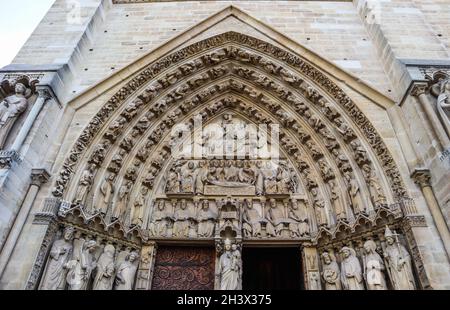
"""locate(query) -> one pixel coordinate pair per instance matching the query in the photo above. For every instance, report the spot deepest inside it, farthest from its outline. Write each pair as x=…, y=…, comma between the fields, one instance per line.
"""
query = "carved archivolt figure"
x=252, y=221
x=298, y=224
x=87, y=177
x=54, y=277
x=126, y=272
x=443, y=105
x=373, y=267
x=229, y=270
x=336, y=201
x=122, y=200
x=105, y=269
x=81, y=266
x=398, y=262
x=11, y=108
x=331, y=274
x=351, y=273
x=138, y=210
x=104, y=194
x=182, y=219
x=355, y=194
x=206, y=220
x=160, y=220
x=376, y=193
x=319, y=208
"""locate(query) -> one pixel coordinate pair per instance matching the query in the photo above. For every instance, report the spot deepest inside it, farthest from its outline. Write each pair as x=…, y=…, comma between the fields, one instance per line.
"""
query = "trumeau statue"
x=160, y=220
x=11, y=108
x=54, y=277
x=104, y=194
x=81, y=266
x=443, y=105
x=331, y=274
x=126, y=272
x=230, y=265
x=398, y=263
x=351, y=273
x=373, y=267
x=105, y=269
x=206, y=220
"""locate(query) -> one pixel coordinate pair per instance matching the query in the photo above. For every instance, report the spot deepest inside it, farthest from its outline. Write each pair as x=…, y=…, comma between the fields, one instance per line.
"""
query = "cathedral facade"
x=155, y=145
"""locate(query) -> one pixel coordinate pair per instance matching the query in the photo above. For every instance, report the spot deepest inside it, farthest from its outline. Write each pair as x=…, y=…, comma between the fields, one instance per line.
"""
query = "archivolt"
x=282, y=78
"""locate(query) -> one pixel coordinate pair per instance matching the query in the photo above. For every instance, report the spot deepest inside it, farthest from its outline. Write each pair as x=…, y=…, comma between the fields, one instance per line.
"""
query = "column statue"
x=126, y=273
x=331, y=274
x=373, y=267
x=351, y=273
x=105, y=269
x=81, y=267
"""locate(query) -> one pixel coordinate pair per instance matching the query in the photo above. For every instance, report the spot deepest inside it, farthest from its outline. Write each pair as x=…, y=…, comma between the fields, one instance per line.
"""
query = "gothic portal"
x=230, y=157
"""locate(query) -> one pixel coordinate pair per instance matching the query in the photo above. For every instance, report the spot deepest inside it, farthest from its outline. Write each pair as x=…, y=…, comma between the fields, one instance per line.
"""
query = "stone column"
x=310, y=257
x=44, y=95
x=146, y=267
x=38, y=177
x=420, y=91
x=422, y=178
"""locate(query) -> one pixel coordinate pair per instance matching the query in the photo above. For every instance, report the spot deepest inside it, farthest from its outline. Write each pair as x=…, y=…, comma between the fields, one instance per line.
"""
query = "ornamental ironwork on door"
x=184, y=268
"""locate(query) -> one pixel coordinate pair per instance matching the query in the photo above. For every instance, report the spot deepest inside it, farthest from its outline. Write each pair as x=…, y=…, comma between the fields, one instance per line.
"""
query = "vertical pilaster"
x=146, y=267
x=310, y=257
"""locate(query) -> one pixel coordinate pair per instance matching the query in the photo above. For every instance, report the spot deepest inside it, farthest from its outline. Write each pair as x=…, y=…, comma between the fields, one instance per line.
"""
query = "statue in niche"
x=81, y=267
x=104, y=194
x=187, y=178
x=138, y=209
x=398, y=263
x=54, y=277
x=336, y=201
x=373, y=267
x=173, y=183
x=298, y=225
x=252, y=220
x=201, y=178
x=443, y=105
x=160, y=220
x=230, y=266
x=376, y=193
x=206, y=220
x=122, y=201
x=11, y=108
x=355, y=194
x=275, y=219
x=319, y=208
x=331, y=274
x=87, y=177
x=182, y=219
x=126, y=273
x=104, y=276
x=351, y=273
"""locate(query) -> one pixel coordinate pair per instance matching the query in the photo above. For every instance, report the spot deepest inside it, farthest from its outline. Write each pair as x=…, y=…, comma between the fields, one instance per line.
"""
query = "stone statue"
x=105, y=269
x=126, y=273
x=373, y=267
x=138, y=209
x=298, y=226
x=275, y=219
x=331, y=274
x=259, y=178
x=11, y=108
x=122, y=200
x=81, y=267
x=187, y=178
x=104, y=194
x=398, y=262
x=87, y=177
x=252, y=221
x=173, y=183
x=376, y=193
x=206, y=220
x=319, y=208
x=160, y=220
x=443, y=105
x=182, y=219
x=54, y=277
x=355, y=194
x=336, y=201
x=201, y=178
x=229, y=270
x=351, y=273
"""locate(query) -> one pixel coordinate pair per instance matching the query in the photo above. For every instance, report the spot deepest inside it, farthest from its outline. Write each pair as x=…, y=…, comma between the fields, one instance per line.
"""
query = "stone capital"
x=39, y=177
x=419, y=89
x=44, y=93
x=7, y=158
x=421, y=177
